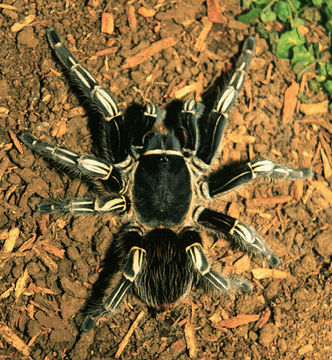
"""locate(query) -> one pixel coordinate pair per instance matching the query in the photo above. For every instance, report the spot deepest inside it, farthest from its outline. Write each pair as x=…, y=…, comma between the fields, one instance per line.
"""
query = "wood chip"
x=60, y=129
x=18, y=26
x=107, y=23
x=290, y=102
x=189, y=333
x=179, y=94
x=317, y=108
x=8, y=7
x=145, y=12
x=125, y=340
x=241, y=265
x=268, y=202
x=46, y=259
x=214, y=11
x=201, y=40
x=236, y=321
x=326, y=164
x=16, y=142
x=21, y=284
x=323, y=190
x=10, y=241
x=264, y=273
x=11, y=338
x=132, y=21
x=147, y=53
x=263, y=318
x=305, y=349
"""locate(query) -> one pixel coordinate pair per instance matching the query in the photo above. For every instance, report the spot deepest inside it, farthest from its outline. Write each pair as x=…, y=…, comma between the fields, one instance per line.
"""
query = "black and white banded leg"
x=225, y=100
x=244, y=236
x=225, y=181
x=114, y=133
x=190, y=114
x=84, y=206
x=143, y=125
x=131, y=269
x=220, y=282
x=85, y=166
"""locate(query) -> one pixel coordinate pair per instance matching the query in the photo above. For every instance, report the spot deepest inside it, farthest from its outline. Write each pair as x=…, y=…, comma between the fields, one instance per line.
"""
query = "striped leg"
x=225, y=100
x=225, y=181
x=240, y=232
x=190, y=114
x=220, y=282
x=144, y=124
x=115, y=136
x=131, y=269
x=110, y=204
x=80, y=165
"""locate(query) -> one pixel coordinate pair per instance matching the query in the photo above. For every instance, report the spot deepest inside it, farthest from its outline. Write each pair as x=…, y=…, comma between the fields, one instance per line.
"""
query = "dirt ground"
x=50, y=265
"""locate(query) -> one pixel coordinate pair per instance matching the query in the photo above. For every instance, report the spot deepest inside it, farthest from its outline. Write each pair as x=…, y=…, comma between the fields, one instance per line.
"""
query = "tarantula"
x=157, y=183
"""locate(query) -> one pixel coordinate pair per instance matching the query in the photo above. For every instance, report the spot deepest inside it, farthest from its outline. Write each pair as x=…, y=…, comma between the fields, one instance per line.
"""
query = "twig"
x=125, y=340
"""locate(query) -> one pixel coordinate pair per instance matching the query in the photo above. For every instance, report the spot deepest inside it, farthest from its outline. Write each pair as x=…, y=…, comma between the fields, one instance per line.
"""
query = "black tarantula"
x=158, y=183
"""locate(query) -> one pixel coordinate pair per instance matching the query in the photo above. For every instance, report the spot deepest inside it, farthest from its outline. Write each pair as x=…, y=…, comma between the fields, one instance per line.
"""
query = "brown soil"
x=47, y=278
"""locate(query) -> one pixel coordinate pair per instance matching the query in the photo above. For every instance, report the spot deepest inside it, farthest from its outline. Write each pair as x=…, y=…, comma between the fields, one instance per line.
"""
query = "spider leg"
x=225, y=181
x=114, y=134
x=84, y=206
x=225, y=100
x=246, y=237
x=191, y=112
x=144, y=124
x=131, y=269
x=220, y=282
x=81, y=165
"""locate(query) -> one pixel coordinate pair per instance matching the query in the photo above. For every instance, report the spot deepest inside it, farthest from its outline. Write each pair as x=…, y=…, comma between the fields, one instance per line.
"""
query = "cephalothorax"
x=158, y=183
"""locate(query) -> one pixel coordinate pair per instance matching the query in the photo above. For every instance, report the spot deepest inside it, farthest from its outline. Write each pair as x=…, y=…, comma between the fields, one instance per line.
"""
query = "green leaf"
x=301, y=54
x=287, y=41
x=317, y=2
x=250, y=17
x=328, y=86
x=295, y=4
x=313, y=86
x=268, y=15
x=246, y=3
x=283, y=11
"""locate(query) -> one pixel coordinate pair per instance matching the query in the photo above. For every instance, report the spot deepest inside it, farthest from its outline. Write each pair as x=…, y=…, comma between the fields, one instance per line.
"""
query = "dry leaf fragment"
x=17, y=144
x=10, y=242
x=290, y=102
x=107, y=23
x=11, y=338
x=236, y=321
x=263, y=273
x=18, y=26
x=145, y=12
x=21, y=283
x=190, y=339
x=149, y=52
x=317, y=108
x=214, y=11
